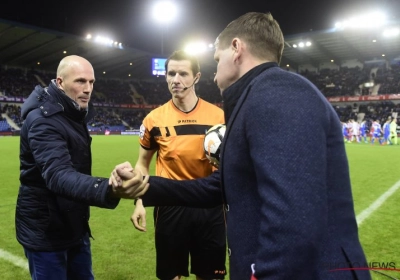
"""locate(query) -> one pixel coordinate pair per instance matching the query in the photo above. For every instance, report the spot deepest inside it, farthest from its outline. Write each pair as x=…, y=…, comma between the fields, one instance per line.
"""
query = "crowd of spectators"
x=116, y=120
x=16, y=82
x=341, y=82
x=4, y=126
x=356, y=81
x=389, y=79
x=14, y=112
x=370, y=111
x=104, y=119
x=154, y=92
x=332, y=82
x=112, y=91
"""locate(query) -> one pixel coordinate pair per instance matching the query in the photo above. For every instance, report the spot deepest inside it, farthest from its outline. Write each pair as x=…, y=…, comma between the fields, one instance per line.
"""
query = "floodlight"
x=370, y=20
x=195, y=48
x=102, y=40
x=164, y=11
x=391, y=32
x=338, y=25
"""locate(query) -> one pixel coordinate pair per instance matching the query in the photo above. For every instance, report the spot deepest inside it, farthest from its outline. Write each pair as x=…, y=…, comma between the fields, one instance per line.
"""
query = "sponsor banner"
x=153, y=106
x=381, y=97
x=6, y=133
x=12, y=99
x=131, y=132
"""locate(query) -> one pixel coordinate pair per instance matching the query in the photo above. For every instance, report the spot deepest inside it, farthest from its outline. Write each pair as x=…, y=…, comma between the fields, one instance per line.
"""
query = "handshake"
x=127, y=182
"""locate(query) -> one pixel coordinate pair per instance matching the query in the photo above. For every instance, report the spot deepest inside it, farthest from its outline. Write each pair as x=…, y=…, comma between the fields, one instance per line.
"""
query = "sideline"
x=376, y=204
x=17, y=261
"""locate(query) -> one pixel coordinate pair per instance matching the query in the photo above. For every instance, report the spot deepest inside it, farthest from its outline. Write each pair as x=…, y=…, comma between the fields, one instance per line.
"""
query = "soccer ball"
x=212, y=143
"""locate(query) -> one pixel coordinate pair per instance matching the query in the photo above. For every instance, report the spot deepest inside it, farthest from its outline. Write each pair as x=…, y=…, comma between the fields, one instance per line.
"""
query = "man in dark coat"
x=52, y=213
x=287, y=191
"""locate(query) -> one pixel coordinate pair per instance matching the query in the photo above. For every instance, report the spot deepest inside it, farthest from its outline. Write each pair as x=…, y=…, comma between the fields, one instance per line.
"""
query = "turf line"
x=377, y=203
x=15, y=260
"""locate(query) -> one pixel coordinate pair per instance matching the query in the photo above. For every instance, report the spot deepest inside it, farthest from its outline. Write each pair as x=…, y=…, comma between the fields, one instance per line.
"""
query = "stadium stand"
x=111, y=92
x=4, y=126
x=358, y=84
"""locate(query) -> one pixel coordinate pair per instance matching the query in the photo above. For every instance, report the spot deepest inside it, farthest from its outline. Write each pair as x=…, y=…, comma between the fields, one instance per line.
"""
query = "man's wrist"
x=136, y=200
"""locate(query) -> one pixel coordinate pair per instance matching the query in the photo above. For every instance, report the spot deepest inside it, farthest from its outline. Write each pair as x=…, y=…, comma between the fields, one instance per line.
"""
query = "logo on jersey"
x=141, y=131
x=187, y=121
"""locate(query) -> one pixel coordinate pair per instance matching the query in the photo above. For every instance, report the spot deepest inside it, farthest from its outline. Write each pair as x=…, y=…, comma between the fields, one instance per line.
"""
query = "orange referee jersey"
x=178, y=138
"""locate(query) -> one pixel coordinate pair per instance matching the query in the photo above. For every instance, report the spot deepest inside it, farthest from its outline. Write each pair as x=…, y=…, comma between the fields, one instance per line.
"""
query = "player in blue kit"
x=386, y=132
x=363, y=131
x=377, y=132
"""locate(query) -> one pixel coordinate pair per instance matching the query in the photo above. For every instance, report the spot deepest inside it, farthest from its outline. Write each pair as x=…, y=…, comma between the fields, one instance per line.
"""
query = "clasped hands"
x=127, y=182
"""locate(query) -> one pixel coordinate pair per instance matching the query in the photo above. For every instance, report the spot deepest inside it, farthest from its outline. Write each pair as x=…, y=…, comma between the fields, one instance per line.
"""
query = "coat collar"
x=233, y=98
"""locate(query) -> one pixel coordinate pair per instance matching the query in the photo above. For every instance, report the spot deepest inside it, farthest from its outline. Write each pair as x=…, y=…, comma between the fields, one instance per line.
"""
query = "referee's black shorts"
x=200, y=233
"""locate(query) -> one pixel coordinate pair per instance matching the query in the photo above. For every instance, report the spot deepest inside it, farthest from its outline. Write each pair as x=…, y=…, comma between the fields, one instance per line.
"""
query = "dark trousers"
x=74, y=263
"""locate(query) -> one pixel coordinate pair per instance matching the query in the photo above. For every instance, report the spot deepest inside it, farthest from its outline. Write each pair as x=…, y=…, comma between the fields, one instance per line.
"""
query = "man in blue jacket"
x=288, y=197
x=52, y=213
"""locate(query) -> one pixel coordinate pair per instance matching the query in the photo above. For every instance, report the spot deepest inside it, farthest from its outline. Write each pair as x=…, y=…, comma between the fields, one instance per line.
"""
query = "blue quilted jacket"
x=56, y=189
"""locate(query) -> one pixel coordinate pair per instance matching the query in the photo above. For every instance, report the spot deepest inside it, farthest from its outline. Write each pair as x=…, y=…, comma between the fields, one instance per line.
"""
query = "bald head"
x=70, y=62
x=75, y=76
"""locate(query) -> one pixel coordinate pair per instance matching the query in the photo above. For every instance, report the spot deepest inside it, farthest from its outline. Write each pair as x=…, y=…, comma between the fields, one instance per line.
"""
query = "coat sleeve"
x=50, y=151
x=201, y=193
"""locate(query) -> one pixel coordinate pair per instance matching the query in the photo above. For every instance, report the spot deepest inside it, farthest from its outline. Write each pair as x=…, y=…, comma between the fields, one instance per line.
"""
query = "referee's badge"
x=141, y=131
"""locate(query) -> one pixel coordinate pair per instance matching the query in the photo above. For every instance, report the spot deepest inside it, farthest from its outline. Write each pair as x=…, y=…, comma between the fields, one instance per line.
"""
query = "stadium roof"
x=24, y=46
x=339, y=46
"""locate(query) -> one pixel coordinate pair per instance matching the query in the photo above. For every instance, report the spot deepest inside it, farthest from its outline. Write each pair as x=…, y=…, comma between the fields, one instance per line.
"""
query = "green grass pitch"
x=120, y=252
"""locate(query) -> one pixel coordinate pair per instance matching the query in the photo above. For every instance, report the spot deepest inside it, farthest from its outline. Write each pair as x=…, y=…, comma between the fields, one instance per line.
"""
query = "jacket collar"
x=52, y=100
x=232, y=94
x=71, y=109
x=233, y=98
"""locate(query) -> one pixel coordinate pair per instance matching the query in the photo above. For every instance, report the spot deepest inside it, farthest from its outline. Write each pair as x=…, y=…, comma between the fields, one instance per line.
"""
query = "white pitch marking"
x=15, y=260
x=376, y=204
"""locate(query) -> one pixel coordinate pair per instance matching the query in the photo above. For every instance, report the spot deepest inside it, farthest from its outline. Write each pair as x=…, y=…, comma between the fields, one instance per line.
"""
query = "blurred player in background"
x=363, y=131
x=355, y=131
x=376, y=132
x=345, y=132
x=393, y=131
x=386, y=132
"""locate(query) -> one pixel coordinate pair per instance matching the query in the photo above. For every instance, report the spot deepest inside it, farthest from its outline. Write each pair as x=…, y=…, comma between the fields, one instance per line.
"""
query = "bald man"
x=56, y=190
